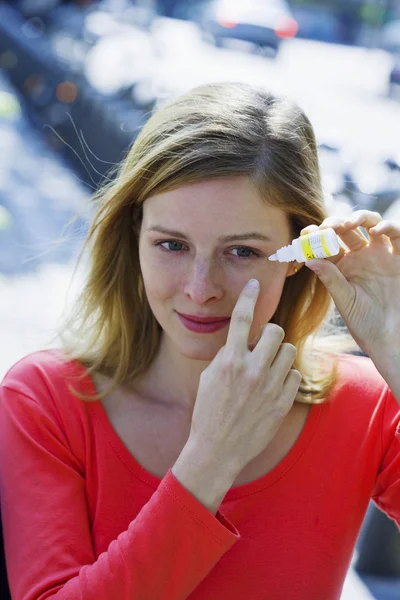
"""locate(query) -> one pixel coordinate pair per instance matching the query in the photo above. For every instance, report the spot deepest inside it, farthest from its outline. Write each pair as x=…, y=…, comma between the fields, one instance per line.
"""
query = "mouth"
x=203, y=324
x=200, y=319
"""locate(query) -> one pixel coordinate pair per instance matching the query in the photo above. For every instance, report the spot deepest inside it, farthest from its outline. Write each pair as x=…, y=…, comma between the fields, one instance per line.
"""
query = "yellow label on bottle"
x=323, y=242
x=314, y=245
x=306, y=247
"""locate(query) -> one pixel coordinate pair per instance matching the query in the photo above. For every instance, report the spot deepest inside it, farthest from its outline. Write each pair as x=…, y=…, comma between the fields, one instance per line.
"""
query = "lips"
x=197, y=319
x=205, y=325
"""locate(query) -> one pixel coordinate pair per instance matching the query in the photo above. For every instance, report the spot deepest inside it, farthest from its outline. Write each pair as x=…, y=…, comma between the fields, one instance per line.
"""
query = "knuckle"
x=308, y=229
x=252, y=378
x=332, y=222
x=243, y=316
x=276, y=330
x=281, y=409
x=231, y=364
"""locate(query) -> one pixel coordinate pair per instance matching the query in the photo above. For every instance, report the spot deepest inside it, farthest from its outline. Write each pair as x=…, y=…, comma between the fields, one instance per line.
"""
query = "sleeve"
x=165, y=553
x=386, y=493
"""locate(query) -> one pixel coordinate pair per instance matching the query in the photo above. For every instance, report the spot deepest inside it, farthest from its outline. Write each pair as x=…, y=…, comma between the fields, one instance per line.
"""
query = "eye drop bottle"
x=318, y=244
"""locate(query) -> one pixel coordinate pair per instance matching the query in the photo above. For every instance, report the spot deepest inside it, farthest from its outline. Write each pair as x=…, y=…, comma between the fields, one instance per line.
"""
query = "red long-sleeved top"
x=84, y=521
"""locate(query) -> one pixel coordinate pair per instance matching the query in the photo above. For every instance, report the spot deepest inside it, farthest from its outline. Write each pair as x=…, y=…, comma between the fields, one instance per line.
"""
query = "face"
x=198, y=247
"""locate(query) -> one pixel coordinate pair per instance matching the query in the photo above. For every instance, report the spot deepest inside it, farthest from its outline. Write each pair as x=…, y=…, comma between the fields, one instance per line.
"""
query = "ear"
x=293, y=268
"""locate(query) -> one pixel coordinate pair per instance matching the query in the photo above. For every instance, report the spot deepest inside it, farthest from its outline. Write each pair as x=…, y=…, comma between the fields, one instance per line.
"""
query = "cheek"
x=160, y=282
x=268, y=301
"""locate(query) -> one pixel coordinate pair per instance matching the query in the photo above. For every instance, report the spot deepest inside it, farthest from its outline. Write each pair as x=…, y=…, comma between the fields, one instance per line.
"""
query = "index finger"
x=242, y=317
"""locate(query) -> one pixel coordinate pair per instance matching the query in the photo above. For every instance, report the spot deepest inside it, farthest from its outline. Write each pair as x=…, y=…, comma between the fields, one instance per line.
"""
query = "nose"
x=203, y=283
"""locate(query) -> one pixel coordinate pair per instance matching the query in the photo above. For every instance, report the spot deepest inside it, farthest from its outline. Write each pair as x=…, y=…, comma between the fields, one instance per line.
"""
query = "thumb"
x=335, y=282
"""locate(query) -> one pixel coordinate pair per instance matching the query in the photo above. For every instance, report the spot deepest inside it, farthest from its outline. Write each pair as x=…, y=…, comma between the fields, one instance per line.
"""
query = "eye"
x=174, y=246
x=245, y=252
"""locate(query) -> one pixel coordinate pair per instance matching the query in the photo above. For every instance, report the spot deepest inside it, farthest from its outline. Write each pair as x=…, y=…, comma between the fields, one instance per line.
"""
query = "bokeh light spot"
x=37, y=89
x=66, y=92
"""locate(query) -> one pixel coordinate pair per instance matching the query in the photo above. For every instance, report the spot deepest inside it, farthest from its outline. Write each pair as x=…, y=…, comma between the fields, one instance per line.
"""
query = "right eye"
x=174, y=246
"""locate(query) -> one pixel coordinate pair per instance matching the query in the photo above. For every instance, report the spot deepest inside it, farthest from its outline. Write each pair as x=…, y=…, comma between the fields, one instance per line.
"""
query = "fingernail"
x=253, y=284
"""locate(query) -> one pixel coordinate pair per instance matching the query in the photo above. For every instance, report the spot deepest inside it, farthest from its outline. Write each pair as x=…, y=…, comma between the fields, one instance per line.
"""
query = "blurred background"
x=78, y=79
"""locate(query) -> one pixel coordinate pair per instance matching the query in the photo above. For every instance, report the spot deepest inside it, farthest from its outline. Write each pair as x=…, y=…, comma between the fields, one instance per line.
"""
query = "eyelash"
x=254, y=253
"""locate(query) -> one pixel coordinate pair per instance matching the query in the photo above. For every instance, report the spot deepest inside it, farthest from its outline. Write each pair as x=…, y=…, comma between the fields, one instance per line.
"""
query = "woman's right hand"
x=244, y=395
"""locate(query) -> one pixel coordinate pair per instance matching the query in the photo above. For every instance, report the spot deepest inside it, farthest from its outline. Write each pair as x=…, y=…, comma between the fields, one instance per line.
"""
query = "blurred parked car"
x=264, y=24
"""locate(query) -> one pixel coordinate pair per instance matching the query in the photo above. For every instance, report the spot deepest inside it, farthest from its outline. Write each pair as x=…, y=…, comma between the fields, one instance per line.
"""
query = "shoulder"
x=359, y=382
x=45, y=377
x=36, y=400
x=358, y=372
x=38, y=367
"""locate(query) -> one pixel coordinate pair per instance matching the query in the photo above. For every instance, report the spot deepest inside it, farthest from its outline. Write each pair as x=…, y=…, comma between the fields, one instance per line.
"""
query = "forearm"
x=203, y=476
x=168, y=546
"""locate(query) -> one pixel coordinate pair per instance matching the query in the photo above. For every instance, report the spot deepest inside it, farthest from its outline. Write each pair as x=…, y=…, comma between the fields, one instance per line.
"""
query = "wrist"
x=204, y=476
x=198, y=453
x=389, y=368
x=209, y=460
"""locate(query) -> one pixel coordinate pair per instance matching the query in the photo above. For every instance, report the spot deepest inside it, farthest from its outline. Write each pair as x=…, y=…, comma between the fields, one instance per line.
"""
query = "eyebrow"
x=254, y=235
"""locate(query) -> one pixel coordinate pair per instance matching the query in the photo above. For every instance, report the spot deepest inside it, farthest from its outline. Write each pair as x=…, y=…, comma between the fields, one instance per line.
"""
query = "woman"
x=197, y=437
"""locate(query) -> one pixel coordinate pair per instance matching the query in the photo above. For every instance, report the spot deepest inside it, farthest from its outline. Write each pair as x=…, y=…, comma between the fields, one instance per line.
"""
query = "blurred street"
x=343, y=89
x=39, y=194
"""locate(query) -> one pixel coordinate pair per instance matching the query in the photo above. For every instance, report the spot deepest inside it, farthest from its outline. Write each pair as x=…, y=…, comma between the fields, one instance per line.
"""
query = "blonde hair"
x=212, y=131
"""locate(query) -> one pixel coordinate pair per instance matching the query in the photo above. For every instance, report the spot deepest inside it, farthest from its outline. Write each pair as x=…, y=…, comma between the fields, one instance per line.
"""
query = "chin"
x=199, y=350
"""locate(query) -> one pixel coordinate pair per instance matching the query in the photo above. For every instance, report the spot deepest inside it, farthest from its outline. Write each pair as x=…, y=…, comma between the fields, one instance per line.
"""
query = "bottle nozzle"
x=273, y=257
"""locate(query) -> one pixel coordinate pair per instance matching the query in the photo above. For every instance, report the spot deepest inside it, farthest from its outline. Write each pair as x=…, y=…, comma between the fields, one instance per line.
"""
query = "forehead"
x=222, y=205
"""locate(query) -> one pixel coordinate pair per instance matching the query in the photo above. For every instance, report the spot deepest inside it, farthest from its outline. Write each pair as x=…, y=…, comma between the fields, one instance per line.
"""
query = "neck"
x=172, y=378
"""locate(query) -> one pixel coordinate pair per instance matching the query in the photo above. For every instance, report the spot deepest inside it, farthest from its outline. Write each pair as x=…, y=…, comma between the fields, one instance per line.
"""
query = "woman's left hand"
x=364, y=281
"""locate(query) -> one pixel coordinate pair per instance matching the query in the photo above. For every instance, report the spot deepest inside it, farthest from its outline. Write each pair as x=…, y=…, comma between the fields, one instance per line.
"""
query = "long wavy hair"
x=212, y=131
